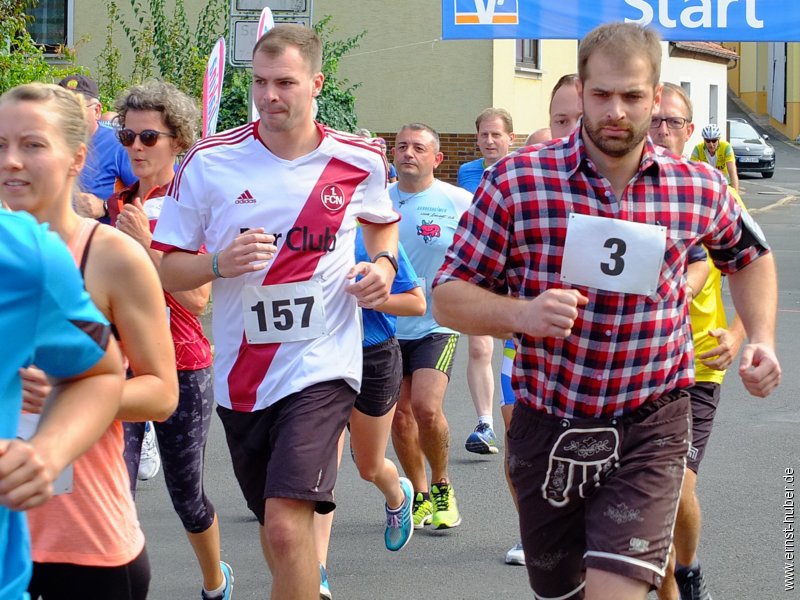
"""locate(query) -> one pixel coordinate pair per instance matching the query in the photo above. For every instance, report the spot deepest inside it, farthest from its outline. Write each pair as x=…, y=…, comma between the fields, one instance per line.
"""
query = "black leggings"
x=182, y=443
x=64, y=581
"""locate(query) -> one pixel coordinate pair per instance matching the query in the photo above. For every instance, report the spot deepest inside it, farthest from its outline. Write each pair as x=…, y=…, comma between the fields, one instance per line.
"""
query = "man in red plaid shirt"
x=578, y=249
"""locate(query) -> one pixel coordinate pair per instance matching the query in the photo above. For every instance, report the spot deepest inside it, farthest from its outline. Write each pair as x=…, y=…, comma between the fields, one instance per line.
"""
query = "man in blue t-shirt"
x=495, y=135
x=47, y=318
x=106, y=161
x=430, y=211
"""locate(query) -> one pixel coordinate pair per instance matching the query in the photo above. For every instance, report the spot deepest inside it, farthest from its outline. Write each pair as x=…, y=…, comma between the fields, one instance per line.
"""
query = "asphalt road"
x=741, y=484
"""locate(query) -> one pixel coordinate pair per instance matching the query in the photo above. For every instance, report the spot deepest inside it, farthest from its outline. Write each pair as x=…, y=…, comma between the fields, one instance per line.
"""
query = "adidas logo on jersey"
x=245, y=198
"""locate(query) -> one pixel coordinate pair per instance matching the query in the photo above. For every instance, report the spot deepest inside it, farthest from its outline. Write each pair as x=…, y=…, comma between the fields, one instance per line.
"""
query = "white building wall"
x=700, y=75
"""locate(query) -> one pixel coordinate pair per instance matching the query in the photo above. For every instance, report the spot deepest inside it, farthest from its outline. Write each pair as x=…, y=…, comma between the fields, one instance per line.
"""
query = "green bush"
x=337, y=102
x=163, y=46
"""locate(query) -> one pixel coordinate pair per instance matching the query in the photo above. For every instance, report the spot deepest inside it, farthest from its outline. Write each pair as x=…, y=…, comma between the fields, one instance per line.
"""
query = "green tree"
x=163, y=44
x=235, y=105
x=337, y=102
x=21, y=59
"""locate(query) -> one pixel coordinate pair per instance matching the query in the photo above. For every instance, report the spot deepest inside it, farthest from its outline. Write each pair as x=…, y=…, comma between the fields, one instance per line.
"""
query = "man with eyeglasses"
x=715, y=345
x=106, y=160
x=718, y=153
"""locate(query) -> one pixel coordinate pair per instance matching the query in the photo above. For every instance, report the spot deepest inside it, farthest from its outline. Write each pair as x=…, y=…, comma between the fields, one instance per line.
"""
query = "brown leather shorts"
x=598, y=494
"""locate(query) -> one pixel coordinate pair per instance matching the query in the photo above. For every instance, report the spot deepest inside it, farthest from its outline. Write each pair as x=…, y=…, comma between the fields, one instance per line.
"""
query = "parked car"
x=753, y=153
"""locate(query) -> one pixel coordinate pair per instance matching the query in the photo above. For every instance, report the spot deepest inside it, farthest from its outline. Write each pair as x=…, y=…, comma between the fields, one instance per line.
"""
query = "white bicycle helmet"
x=710, y=132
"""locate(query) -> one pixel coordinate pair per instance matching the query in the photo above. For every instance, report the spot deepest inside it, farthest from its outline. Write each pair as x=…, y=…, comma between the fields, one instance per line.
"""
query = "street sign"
x=244, y=24
x=277, y=6
x=244, y=35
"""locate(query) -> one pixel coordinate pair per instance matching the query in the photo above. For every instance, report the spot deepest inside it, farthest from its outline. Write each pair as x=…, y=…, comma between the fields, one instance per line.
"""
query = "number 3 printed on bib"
x=613, y=255
x=287, y=312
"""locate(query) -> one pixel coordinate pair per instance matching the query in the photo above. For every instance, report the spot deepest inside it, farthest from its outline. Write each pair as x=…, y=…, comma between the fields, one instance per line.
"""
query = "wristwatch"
x=388, y=256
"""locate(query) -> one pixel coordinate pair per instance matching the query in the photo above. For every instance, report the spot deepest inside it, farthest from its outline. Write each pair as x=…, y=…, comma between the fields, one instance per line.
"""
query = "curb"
x=761, y=122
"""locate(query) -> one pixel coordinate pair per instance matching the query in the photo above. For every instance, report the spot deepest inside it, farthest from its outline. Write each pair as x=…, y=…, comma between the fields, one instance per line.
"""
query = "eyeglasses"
x=711, y=141
x=672, y=122
x=149, y=137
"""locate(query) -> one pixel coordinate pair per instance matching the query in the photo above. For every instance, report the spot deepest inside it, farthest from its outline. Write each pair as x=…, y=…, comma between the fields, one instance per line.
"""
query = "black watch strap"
x=388, y=256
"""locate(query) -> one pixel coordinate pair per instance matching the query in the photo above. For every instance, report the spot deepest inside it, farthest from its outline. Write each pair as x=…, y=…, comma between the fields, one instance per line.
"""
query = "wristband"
x=388, y=256
x=215, y=265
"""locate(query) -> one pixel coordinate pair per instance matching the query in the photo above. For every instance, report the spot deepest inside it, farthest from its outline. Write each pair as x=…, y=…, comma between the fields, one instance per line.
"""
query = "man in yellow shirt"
x=716, y=345
x=718, y=153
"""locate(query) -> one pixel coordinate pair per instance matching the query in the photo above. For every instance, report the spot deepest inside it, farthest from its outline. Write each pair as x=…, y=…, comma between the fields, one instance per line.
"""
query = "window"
x=528, y=54
x=51, y=24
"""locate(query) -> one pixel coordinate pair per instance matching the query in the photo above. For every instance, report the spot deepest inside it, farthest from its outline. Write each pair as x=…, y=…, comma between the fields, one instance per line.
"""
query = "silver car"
x=753, y=153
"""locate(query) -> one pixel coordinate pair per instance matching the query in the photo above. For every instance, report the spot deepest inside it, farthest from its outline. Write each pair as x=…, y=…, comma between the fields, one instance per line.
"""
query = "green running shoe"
x=445, y=508
x=423, y=511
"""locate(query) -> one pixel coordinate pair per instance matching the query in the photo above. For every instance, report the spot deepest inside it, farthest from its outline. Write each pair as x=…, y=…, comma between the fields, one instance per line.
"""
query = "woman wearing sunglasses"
x=87, y=543
x=157, y=123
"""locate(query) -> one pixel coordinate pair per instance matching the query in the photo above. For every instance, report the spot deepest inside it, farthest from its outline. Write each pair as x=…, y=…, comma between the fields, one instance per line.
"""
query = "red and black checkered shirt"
x=625, y=349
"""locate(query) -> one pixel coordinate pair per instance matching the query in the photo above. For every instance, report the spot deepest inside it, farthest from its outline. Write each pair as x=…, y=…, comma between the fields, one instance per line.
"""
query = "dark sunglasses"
x=149, y=137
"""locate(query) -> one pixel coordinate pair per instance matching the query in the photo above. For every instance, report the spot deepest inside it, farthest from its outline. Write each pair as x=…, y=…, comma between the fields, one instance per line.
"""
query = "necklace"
x=405, y=199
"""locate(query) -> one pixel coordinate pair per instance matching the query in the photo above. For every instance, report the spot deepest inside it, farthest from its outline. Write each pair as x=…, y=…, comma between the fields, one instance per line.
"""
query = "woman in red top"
x=157, y=124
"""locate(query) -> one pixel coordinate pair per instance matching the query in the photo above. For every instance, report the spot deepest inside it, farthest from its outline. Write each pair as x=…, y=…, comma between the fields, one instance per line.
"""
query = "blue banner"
x=675, y=20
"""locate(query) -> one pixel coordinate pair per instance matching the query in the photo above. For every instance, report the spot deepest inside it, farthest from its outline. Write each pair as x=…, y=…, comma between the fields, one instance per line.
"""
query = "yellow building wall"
x=750, y=77
x=791, y=128
x=753, y=75
x=762, y=77
x=407, y=72
x=735, y=74
x=527, y=95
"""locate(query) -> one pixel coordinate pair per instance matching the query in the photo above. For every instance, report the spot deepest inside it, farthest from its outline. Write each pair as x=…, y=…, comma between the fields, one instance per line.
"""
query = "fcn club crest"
x=332, y=197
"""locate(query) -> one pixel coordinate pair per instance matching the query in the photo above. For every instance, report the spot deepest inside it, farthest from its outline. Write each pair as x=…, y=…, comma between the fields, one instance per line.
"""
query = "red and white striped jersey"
x=279, y=330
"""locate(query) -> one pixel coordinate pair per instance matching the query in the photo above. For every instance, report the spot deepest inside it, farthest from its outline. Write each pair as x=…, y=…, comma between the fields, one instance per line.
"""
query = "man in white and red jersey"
x=276, y=203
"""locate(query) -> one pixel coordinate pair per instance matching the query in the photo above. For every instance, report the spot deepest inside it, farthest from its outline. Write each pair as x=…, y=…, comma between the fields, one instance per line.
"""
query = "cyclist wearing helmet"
x=718, y=153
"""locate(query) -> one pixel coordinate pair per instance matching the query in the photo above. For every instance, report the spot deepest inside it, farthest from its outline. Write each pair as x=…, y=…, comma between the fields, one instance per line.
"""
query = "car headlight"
x=769, y=151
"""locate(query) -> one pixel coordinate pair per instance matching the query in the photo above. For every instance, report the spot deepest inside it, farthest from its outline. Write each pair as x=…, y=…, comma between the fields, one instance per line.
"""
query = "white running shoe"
x=516, y=556
x=150, y=460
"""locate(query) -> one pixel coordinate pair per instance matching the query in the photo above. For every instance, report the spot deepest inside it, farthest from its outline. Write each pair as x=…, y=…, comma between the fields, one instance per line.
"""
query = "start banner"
x=675, y=20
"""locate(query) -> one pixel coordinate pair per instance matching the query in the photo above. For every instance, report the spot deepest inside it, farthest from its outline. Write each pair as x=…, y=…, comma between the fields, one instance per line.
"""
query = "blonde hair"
x=676, y=90
x=68, y=107
x=495, y=113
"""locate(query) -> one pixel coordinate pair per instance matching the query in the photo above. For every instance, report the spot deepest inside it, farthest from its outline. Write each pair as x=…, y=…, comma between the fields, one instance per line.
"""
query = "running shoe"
x=150, y=459
x=400, y=522
x=324, y=588
x=445, y=508
x=516, y=556
x=482, y=440
x=691, y=584
x=423, y=511
x=227, y=592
